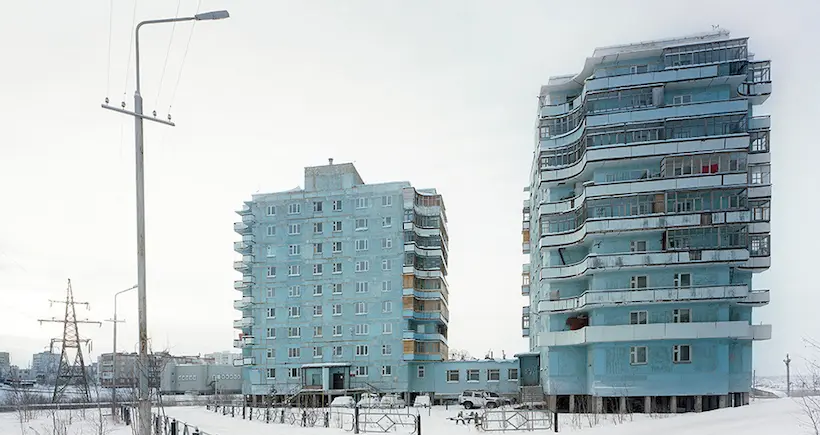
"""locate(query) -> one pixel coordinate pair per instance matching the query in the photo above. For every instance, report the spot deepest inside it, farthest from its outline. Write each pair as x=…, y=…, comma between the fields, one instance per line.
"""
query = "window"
x=637, y=355
x=360, y=371
x=317, y=311
x=638, y=69
x=294, y=249
x=337, y=205
x=387, y=286
x=387, y=306
x=638, y=318
x=387, y=221
x=294, y=208
x=452, y=375
x=317, y=351
x=472, y=375
x=420, y=372
x=361, y=329
x=271, y=333
x=760, y=174
x=362, y=245
x=293, y=372
x=337, y=309
x=318, y=269
x=362, y=266
x=271, y=251
x=294, y=352
x=294, y=229
x=294, y=311
x=362, y=350
x=271, y=313
x=682, y=315
x=337, y=247
x=294, y=332
x=337, y=330
x=362, y=202
x=271, y=373
x=337, y=351
x=361, y=224
x=681, y=353
x=387, y=328
x=318, y=228
x=681, y=99
x=317, y=331
x=271, y=353
x=761, y=210
x=493, y=375
x=387, y=265
x=639, y=282
x=317, y=206
x=360, y=308
x=294, y=291
x=387, y=370
x=637, y=246
x=271, y=272
x=759, y=245
x=271, y=292
x=362, y=287
x=683, y=280
x=387, y=243
x=271, y=230
x=271, y=210
x=512, y=374
x=336, y=288
x=337, y=226
x=317, y=290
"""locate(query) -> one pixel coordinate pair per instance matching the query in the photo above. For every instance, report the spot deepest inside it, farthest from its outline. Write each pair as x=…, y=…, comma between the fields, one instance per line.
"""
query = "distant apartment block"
x=44, y=367
x=222, y=358
x=647, y=217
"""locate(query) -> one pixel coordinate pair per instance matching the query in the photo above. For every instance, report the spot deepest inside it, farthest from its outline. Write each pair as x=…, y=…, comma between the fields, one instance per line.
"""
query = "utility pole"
x=788, y=376
x=70, y=373
x=114, y=353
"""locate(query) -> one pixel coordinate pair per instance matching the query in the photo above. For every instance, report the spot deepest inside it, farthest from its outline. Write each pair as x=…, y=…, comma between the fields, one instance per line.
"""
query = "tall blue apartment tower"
x=646, y=220
x=343, y=287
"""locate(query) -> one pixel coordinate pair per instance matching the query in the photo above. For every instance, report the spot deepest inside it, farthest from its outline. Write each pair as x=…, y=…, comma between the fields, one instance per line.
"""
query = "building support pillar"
x=745, y=398
x=698, y=403
x=599, y=404
x=673, y=404
x=572, y=404
x=622, y=405
x=552, y=402
x=647, y=404
x=254, y=398
x=722, y=401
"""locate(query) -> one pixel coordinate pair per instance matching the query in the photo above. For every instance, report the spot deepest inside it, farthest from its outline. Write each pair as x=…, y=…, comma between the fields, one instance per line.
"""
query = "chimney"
x=330, y=161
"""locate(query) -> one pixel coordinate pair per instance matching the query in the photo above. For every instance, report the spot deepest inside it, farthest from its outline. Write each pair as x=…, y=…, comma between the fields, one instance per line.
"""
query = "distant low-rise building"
x=44, y=367
x=222, y=358
x=179, y=378
x=5, y=364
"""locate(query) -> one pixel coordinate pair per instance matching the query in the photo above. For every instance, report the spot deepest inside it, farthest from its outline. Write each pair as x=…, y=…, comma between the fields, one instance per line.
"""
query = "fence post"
x=304, y=418
x=233, y=411
x=174, y=427
x=418, y=424
x=327, y=419
x=282, y=416
x=555, y=421
x=356, y=419
x=244, y=408
x=267, y=415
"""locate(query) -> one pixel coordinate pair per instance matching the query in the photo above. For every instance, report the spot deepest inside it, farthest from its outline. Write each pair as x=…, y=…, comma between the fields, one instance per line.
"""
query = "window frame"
x=677, y=351
x=637, y=317
x=635, y=353
x=452, y=379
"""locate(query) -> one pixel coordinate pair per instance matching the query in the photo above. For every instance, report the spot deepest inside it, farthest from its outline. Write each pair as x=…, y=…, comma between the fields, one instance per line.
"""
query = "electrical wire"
x=184, y=55
x=167, y=54
x=110, y=30
x=130, y=46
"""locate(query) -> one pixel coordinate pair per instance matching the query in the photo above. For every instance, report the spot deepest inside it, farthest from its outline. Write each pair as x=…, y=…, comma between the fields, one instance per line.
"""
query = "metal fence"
x=518, y=420
x=164, y=425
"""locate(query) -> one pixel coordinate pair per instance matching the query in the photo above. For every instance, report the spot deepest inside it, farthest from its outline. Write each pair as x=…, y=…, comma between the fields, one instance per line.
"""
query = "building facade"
x=44, y=367
x=343, y=285
x=222, y=358
x=5, y=364
x=647, y=217
x=208, y=378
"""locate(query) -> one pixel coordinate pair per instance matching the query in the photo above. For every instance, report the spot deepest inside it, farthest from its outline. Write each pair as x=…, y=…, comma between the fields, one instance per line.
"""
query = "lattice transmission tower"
x=72, y=369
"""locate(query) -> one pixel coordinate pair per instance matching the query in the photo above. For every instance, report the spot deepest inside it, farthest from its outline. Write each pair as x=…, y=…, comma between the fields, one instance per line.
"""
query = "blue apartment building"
x=343, y=287
x=647, y=217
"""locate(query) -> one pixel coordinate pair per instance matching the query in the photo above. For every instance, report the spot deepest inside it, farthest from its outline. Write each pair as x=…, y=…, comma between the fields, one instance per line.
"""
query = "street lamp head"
x=214, y=15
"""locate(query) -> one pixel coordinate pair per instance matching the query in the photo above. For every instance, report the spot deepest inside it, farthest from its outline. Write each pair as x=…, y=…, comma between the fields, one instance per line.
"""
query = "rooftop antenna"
x=330, y=161
x=715, y=26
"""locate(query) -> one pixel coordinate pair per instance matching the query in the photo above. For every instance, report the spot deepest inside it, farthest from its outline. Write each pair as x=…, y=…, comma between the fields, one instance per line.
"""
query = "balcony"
x=606, y=298
x=244, y=283
x=245, y=322
x=412, y=335
x=243, y=247
x=244, y=362
x=241, y=228
x=425, y=315
x=241, y=304
x=737, y=330
x=645, y=259
x=244, y=341
x=244, y=265
x=249, y=219
x=525, y=248
x=245, y=210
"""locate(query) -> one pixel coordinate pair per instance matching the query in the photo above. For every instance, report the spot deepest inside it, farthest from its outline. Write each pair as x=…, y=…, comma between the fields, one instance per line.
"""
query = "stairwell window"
x=638, y=318
x=682, y=315
x=637, y=282
x=681, y=353
x=683, y=280
x=473, y=375
x=420, y=372
x=452, y=375
x=637, y=355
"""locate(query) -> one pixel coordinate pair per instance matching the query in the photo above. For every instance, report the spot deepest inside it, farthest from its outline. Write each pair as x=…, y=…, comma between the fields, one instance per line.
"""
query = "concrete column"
x=599, y=404
x=698, y=403
x=552, y=402
x=745, y=398
x=571, y=403
x=622, y=405
x=253, y=399
x=647, y=404
x=673, y=404
x=722, y=401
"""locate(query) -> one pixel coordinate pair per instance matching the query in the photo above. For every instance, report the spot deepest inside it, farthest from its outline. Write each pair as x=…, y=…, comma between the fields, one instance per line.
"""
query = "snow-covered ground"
x=762, y=417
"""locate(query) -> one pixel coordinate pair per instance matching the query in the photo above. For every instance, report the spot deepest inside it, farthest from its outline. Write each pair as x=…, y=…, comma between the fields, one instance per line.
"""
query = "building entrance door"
x=338, y=381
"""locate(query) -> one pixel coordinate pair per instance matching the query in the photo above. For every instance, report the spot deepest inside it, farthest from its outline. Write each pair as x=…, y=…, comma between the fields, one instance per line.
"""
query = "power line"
x=167, y=54
x=130, y=48
x=184, y=55
x=110, y=31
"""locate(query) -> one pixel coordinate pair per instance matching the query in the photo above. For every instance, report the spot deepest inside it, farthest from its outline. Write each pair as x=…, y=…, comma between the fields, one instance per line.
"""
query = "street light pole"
x=114, y=353
x=143, y=398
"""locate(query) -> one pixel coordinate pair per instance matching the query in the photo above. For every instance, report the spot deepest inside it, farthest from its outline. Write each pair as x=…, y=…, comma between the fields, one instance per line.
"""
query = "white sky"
x=441, y=94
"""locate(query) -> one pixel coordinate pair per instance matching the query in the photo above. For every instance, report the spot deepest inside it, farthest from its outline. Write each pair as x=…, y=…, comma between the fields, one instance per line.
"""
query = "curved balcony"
x=243, y=247
x=245, y=210
x=245, y=322
x=244, y=303
x=245, y=283
x=607, y=298
x=244, y=341
x=242, y=228
x=644, y=259
x=241, y=266
x=244, y=362
x=757, y=264
x=738, y=330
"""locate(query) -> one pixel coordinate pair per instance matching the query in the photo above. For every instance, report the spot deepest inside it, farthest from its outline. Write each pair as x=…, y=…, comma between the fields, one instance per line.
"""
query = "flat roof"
x=316, y=365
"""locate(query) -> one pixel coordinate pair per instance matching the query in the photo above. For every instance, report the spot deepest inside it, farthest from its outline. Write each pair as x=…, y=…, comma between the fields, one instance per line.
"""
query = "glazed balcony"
x=242, y=228
x=245, y=341
x=416, y=336
x=245, y=210
x=244, y=362
x=243, y=247
x=245, y=322
x=245, y=283
x=244, y=303
x=758, y=84
x=737, y=330
x=739, y=294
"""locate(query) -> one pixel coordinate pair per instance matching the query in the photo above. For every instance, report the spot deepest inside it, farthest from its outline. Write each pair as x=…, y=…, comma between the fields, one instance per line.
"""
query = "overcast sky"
x=438, y=93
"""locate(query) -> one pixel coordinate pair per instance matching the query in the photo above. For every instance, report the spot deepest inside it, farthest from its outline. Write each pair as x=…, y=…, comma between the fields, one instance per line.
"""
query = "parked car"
x=392, y=401
x=369, y=400
x=477, y=399
x=502, y=401
x=343, y=402
x=422, y=402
